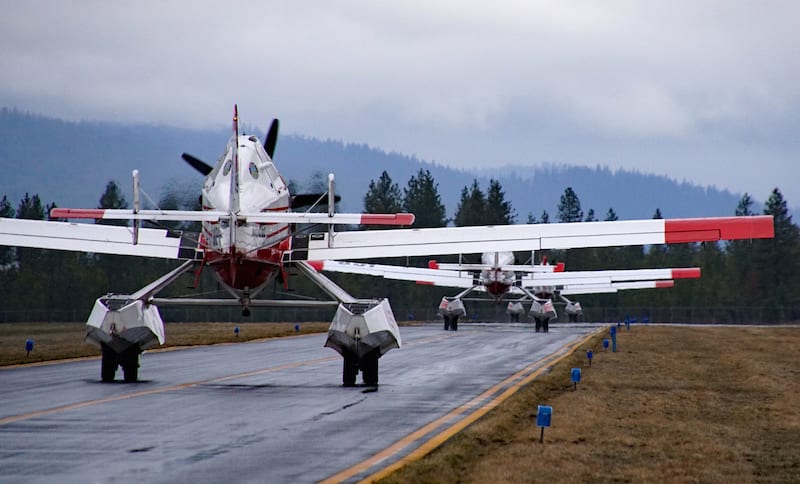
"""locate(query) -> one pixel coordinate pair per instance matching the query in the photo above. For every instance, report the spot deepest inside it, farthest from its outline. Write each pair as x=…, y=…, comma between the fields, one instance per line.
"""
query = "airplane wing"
x=101, y=239
x=464, y=279
x=512, y=267
x=434, y=277
x=464, y=240
x=610, y=288
x=608, y=276
x=614, y=287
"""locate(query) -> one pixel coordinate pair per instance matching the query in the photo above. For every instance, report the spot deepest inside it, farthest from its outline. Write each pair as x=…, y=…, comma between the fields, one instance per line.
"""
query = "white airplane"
x=248, y=239
x=498, y=277
x=573, y=309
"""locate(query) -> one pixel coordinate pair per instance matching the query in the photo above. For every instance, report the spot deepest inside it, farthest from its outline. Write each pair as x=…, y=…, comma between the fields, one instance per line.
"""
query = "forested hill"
x=69, y=163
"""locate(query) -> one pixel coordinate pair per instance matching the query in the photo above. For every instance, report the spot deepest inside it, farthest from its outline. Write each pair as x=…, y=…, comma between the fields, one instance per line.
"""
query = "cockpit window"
x=227, y=168
x=253, y=170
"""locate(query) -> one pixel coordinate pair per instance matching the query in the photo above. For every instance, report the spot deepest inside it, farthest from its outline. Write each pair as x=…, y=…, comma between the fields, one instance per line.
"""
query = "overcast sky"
x=707, y=91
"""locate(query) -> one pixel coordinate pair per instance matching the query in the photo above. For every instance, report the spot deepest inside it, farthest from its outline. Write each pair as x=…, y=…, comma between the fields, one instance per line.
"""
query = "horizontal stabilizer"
x=242, y=217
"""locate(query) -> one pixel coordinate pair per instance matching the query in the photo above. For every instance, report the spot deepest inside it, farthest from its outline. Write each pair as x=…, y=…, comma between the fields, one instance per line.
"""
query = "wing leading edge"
x=101, y=239
x=465, y=240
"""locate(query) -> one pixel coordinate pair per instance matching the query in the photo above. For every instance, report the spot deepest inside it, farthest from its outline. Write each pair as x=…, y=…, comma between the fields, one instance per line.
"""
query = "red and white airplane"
x=498, y=277
x=248, y=238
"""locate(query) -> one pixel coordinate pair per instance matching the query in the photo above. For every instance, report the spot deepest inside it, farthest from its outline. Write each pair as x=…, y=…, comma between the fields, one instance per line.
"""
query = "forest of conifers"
x=742, y=281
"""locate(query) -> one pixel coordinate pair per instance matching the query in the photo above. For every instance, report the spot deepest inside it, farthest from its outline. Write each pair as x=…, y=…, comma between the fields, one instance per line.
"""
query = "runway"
x=269, y=411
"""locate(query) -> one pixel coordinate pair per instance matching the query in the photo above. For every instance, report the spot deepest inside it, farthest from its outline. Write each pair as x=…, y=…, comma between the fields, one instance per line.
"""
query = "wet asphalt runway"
x=269, y=411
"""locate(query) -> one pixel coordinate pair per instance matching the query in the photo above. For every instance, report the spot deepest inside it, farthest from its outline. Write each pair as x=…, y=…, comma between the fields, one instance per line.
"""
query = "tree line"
x=758, y=274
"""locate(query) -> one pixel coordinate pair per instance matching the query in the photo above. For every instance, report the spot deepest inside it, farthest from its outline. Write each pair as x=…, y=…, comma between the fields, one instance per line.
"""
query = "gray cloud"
x=704, y=91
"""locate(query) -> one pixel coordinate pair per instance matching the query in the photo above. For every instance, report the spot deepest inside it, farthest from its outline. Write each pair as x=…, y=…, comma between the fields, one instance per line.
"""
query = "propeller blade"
x=197, y=164
x=307, y=199
x=272, y=138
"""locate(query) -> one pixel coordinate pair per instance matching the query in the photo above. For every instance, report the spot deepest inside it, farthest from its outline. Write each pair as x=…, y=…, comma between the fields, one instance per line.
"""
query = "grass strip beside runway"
x=56, y=341
x=674, y=404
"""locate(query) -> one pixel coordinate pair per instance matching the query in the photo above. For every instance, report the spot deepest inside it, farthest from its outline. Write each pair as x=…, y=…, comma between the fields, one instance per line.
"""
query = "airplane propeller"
x=272, y=138
x=270, y=142
x=197, y=164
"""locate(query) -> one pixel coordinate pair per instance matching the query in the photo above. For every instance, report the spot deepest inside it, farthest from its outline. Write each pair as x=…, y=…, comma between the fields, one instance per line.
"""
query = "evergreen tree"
x=780, y=256
x=657, y=214
x=421, y=197
x=569, y=207
x=32, y=263
x=383, y=196
x=744, y=272
x=6, y=209
x=472, y=206
x=112, y=198
x=30, y=208
x=590, y=215
x=745, y=206
x=611, y=215
x=6, y=253
x=49, y=208
x=498, y=209
x=545, y=218
x=531, y=219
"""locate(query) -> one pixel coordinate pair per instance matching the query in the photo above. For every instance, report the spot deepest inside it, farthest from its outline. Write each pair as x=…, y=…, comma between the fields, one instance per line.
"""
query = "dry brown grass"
x=675, y=404
x=55, y=341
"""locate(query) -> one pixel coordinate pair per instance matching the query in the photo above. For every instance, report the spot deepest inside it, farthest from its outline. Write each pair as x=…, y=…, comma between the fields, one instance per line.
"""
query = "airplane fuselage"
x=496, y=280
x=247, y=256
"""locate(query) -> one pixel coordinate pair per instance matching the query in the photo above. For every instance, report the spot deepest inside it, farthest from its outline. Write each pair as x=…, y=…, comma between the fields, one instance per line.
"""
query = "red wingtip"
x=387, y=218
x=424, y=283
x=663, y=284
x=432, y=264
x=688, y=273
x=77, y=213
x=718, y=228
x=317, y=264
x=560, y=267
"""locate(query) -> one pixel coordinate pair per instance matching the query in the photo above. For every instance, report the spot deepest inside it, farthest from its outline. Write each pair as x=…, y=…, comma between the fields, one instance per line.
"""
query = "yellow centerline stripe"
x=88, y=403
x=448, y=432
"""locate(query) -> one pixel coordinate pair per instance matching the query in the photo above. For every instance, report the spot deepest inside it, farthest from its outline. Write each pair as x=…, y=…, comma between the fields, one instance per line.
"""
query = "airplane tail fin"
x=233, y=201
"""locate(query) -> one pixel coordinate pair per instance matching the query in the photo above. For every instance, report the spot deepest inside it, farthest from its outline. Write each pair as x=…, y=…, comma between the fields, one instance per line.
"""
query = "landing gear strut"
x=542, y=325
x=367, y=364
x=128, y=360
